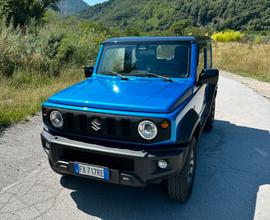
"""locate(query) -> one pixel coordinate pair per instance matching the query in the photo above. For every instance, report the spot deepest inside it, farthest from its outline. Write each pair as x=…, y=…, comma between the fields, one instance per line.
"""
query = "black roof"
x=198, y=39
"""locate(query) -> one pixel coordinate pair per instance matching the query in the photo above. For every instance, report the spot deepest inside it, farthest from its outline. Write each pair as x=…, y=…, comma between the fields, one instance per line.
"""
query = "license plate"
x=94, y=171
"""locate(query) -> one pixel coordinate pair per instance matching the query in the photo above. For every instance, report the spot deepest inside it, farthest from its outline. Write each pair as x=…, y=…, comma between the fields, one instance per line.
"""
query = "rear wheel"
x=180, y=186
x=209, y=125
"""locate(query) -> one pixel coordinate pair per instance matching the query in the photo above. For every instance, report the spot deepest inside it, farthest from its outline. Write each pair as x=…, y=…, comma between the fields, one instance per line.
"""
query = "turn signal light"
x=164, y=124
x=45, y=112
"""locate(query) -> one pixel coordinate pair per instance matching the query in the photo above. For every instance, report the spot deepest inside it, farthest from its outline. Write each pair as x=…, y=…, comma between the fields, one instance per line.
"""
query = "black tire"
x=209, y=125
x=180, y=186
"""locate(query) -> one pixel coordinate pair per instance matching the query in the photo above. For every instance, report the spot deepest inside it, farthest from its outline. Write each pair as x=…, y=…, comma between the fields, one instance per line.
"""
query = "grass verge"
x=21, y=96
x=250, y=60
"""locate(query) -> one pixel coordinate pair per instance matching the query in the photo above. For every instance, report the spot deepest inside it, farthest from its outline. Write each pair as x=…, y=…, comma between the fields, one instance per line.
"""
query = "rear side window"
x=209, y=56
x=204, y=59
x=201, y=62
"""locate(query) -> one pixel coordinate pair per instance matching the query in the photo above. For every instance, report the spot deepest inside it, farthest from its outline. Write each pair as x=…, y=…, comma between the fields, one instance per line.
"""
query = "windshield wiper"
x=160, y=76
x=116, y=74
x=156, y=75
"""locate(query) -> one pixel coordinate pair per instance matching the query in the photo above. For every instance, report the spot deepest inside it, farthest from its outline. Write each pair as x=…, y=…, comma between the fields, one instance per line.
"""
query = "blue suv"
x=137, y=118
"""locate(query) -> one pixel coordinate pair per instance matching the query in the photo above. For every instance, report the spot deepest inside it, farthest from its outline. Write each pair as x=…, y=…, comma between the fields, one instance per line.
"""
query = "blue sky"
x=93, y=2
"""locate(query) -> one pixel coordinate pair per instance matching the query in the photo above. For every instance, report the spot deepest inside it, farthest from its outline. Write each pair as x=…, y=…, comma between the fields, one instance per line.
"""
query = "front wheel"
x=180, y=186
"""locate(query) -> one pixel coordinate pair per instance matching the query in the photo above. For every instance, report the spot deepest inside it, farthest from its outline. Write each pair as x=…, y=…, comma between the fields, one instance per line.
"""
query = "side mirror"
x=88, y=71
x=209, y=76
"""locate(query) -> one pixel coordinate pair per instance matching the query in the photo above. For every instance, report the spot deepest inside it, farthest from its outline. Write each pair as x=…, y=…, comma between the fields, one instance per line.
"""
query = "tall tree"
x=179, y=27
x=22, y=12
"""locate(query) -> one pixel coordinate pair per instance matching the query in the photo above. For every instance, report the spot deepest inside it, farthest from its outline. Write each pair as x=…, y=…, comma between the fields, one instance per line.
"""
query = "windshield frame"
x=136, y=43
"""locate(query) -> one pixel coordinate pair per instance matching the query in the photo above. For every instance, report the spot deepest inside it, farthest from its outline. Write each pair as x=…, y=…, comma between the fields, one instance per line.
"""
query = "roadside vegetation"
x=41, y=57
x=242, y=53
x=228, y=36
x=243, y=37
x=246, y=59
x=22, y=94
x=38, y=62
x=152, y=15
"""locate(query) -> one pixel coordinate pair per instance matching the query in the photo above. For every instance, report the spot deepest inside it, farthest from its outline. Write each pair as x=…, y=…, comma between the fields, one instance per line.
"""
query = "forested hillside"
x=71, y=6
x=150, y=15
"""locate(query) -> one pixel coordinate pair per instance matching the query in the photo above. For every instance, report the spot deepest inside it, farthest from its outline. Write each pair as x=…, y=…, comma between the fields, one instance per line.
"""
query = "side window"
x=201, y=62
x=209, y=56
x=205, y=59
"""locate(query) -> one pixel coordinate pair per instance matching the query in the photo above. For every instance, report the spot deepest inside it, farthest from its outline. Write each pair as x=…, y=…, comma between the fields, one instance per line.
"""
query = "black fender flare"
x=211, y=95
x=187, y=127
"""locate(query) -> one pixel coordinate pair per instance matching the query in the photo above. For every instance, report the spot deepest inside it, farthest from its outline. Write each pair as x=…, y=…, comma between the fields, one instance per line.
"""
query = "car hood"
x=136, y=94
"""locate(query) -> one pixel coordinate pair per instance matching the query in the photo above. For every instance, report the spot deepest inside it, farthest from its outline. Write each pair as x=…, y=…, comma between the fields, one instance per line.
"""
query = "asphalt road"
x=232, y=181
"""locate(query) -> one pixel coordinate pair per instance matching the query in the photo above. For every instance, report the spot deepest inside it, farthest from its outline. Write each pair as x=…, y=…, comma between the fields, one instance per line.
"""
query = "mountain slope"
x=71, y=6
x=151, y=15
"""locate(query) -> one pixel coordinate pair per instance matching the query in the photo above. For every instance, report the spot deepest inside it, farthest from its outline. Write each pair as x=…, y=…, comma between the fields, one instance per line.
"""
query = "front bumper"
x=126, y=167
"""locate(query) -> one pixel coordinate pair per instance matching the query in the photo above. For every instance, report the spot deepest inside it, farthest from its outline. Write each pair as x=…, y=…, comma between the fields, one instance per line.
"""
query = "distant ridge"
x=151, y=15
x=67, y=7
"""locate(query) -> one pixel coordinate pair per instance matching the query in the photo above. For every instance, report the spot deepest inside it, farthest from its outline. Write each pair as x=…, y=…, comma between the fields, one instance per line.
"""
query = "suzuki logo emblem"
x=96, y=125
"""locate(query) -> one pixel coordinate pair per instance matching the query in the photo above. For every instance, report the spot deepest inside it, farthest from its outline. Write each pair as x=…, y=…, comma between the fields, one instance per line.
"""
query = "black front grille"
x=83, y=120
x=69, y=121
x=126, y=127
x=111, y=126
x=107, y=127
x=117, y=163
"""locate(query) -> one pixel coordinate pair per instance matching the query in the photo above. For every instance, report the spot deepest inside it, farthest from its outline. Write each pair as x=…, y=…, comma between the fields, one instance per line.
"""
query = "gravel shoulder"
x=262, y=88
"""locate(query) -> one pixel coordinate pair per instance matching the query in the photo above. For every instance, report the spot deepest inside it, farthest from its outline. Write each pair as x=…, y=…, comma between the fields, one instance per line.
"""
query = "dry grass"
x=251, y=60
x=22, y=96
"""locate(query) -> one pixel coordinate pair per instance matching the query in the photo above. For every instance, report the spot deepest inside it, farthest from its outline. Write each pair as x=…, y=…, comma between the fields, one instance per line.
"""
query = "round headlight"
x=56, y=119
x=147, y=130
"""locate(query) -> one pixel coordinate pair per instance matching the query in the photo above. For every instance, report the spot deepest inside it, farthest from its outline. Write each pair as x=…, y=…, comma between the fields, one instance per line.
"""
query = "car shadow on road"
x=233, y=163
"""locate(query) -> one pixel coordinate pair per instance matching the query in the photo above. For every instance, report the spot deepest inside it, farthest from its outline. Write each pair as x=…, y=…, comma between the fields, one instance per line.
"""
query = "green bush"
x=228, y=36
x=8, y=50
x=7, y=65
x=48, y=49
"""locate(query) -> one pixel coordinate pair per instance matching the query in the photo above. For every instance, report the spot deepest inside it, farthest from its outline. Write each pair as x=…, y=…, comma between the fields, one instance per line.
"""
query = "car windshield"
x=168, y=60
